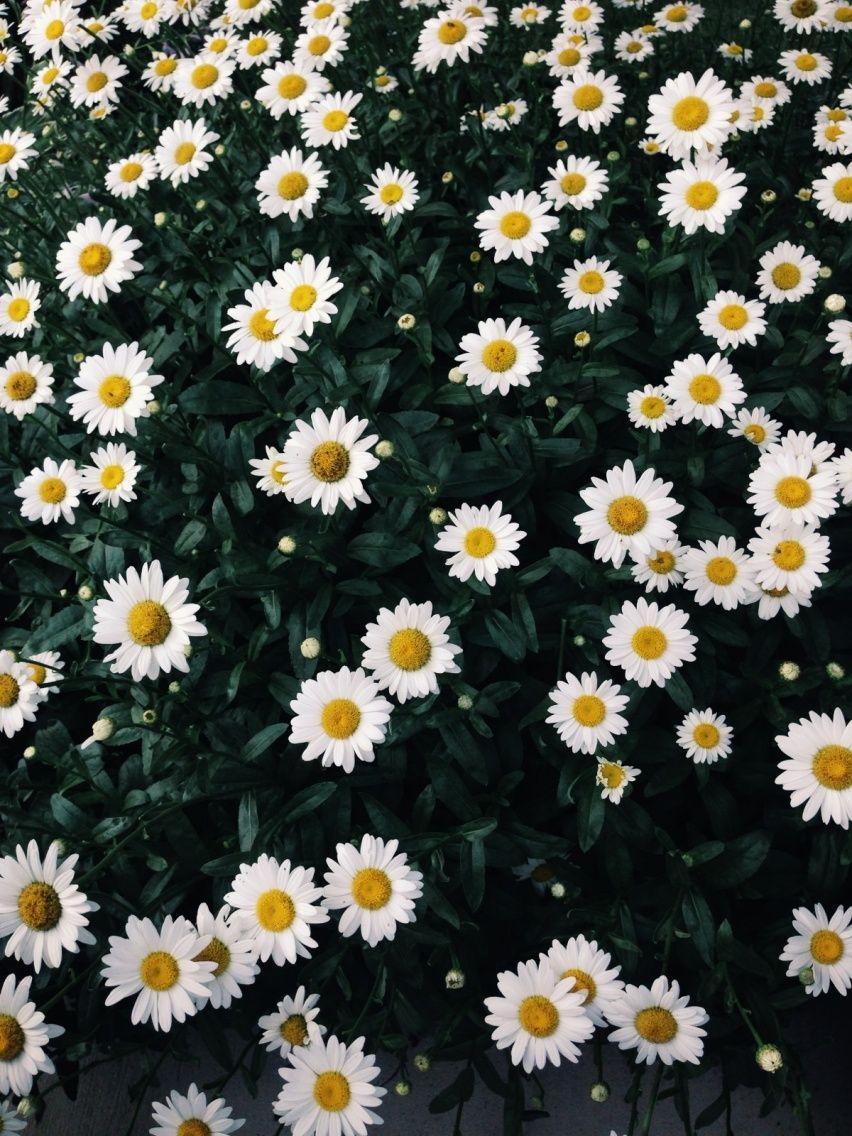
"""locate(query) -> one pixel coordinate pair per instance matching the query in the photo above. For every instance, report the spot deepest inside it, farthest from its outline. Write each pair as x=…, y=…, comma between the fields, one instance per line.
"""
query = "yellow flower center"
x=18, y=309
x=589, y=710
x=194, y=1127
x=588, y=97
x=371, y=888
x=826, y=947
x=112, y=476
x=591, y=283
x=661, y=562
x=452, y=31
x=184, y=153
x=843, y=14
x=277, y=473
x=409, y=649
x=649, y=642
x=499, y=355
x=721, y=570
x=148, y=623
x=788, y=555
x=581, y=13
x=261, y=326
x=538, y=1016
x=755, y=433
x=52, y=490
x=806, y=61
x=706, y=735
x=705, y=389
x=319, y=45
x=633, y=47
x=340, y=718
x=792, y=492
x=690, y=113
x=765, y=90
x=569, y=57
x=786, y=276
x=257, y=45
x=572, y=184
x=733, y=317
x=335, y=120
x=613, y=776
x=95, y=259
x=382, y=80
x=215, y=951
x=801, y=9
x=332, y=1092
x=582, y=979
x=291, y=86
x=655, y=1025
x=275, y=910
x=391, y=193
x=12, y=1038
x=204, y=76
x=843, y=190
x=702, y=195
x=114, y=391
x=292, y=186
x=677, y=14
x=480, y=542
x=832, y=767
x=38, y=674
x=294, y=1030
x=627, y=515
x=515, y=224
x=303, y=297
x=217, y=45
x=329, y=462
x=96, y=81
x=652, y=406
x=9, y=691
x=148, y=11
x=130, y=171
x=323, y=11
x=54, y=30
x=159, y=971
x=734, y=49
x=49, y=75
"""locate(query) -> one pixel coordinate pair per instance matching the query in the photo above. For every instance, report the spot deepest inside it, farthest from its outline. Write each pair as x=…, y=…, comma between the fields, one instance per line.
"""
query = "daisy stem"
x=652, y=1103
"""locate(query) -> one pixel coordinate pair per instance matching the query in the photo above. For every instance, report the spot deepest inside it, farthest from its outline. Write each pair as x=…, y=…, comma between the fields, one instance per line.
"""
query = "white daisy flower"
x=53, y=78
x=789, y=556
x=205, y=79
x=817, y=771
x=321, y=45
x=766, y=89
x=751, y=117
x=735, y=52
x=756, y=427
x=143, y=16
x=327, y=460
x=586, y=713
x=802, y=66
x=221, y=41
x=9, y=1119
x=329, y=121
x=586, y=16
x=54, y=28
x=659, y=1023
x=447, y=39
x=258, y=50
x=96, y=259
x=50, y=492
x=257, y=338
x=831, y=136
x=499, y=356
x=613, y=777
x=704, y=390
x=290, y=89
x=777, y=600
x=482, y=540
x=842, y=465
x=627, y=513
x=407, y=648
x=149, y=619
x=232, y=951
x=650, y=408
x=375, y=888
x=833, y=191
x=590, y=285
x=291, y=184
x=702, y=194
x=568, y=52
x=385, y=83
x=659, y=569
x=392, y=191
x=839, y=16
x=526, y=15
x=515, y=224
x=690, y=114
x=539, y=873
x=302, y=295
x=127, y=176
x=589, y=966
x=633, y=47
x=339, y=716
x=840, y=338
x=578, y=182
x=24, y=1038
x=538, y=1016
x=18, y=307
x=182, y=152
x=159, y=75
x=269, y=472
x=801, y=15
x=328, y=1087
x=718, y=572
x=115, y=389
x=277, y=904
x=649, y=642
x=293, y=1023
x=785, y=488
x=731, y=319
x=19, y=694
x=787, y=273
x=192, y=1114
x=589, y=98
x=45, y=669
x=679, y=17
x=822, y=945
x=96, y=82
x=112, y=475
x=705, y=736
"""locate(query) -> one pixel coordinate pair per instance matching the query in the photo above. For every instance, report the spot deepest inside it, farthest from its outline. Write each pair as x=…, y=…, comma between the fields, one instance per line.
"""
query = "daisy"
x=290, y=89
x=539, y=873
x=750, y=117
x=407, y=648
x=578, y=182
x=45, y=668
x=321, y=45
x=822, y=946
x=839, y=16
x=586, y=713
x=127, y=176
x=205, y=79
x=42, y=911
x=704, y=390
x=277, y=904
x=385, y=83
x=659, y=569
x=53, y=78
x=780, y=600
x=111, y=477
x=19, y=694
x=831, y=137
x=391, y=192
x=789, y=556
x=589, y=966
x=840, y=339
x=149, y=619
x=232, y=952
x=259, y=49
x=328, y=460
x=158, y=968
x=736, y=52
x=181, y=151
x=766, y=89
x=659, y=1023
x=843, y=471
x=567, y=52
x=801, y=66
x=50, y=492
x=115, y=388
x=613, y=777
x=705, y=736
x=96, y=259
x=800, y=444
x=690, y=114
x=54, y=28
x=539, y=1016
x=651, y=409
x=818, y=769
x=787, y=273
x=590, y=285
x=702, y=194
x=515, y=224
x=270, y=472
x=679, y=17
x=96, y=82
x=447, y=39
x=719, y=572
x=18, y=307
x=482, y=540
x=374, y=886
x=498, y=356
x=784, y=488
x=302, y=295
x=291, y=184
x=833, y=191
x=23, y=1039
x=756, y=427
x=187, y=1115
x=339, y=716
x=143, y=16
x=633, y=47
x=9, y=57
x=589, y=98
x=313, y=11
x=293, y=1023
x=159, y=75
x=16, y=149
x=329, y=120
x=801, y=15
x=222, y=41
x=627, y=513
x=328, y=1087
x=102, y=29
x=649, y=642
x=527, y=15
x=731, y=319
x=9, y=1119
x=257, y=336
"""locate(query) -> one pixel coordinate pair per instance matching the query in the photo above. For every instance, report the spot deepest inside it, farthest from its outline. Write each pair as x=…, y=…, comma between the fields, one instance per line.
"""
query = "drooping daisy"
x=96, y=82
x=19, y=696
x=482, y=540
x=302, y=295
x=801, y=15
x=158, y=969
x=756, y=427
x=578, y=182
x=291, y=184
x=339, y=716
x=329, y=120
x=680, y=17
x=690, y=114
x=149, y=619
x=290, y=89
x=705, y=736
x=292, y=1024
x=127, y=176
x=649, y=642
x=516, y=224
x=50, y=492
x=498, y=356
x=613, y=777
x=817, y=771
x=719, y=572
x=651, y=409
x=627, y=513
x=328, y=1087
x=181, y=151
x=586, y=712
x=232, y=951
x=328, y=459
x=96, y=259
x=589, y=966
x=407, y=648
x=18, y=307
x=802, y=66
x=374, y=886
x=448, y=39
x=786, y=489
x=24, y=1036
x=659, y=569
x=787, y=273
x=789, y=556
x=731, y=319
x=538, y=1016
x=204, y=79
x=277, y=903
x=392, y=191
x=659, y=1023
x=702, y=194
x=704, y=390
x=633, y=47
x=589, y=98
x=42, y=911
x=256, y=336
x=833, y=191
x=590, y=285
x=822, y=945
x=115, y=388
x=270, y=472
x=193, y=1115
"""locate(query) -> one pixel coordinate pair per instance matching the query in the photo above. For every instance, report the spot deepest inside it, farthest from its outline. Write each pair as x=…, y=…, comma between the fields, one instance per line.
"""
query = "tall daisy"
x=24, y=1037
x=822, y=948
x=482, y=540
x=627, y=513
x=96, y=259
x=516, y=224
x=586, y=712
x=339, y=716
x=328, y=1087
x=115, y=388
x=705, y=736
x=407, y=648
x=659, y=1023
x=817, y=770
x=374, y=887
x=277, y=905
x=649, y=642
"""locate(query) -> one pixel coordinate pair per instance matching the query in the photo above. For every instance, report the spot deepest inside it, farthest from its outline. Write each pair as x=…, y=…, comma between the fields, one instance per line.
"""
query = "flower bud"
x=599, y=1092
x=479, y=287
x=102, y=731
x=174, y=687
x=438, y=516
x=551, y=402
x=160, y=219
x=29, y=753
x=286, y=546
x=475, y=257
x=579, y=640
x=384, y=449
x=406, y=321
x=577, y=235
x=84, y=593
x=394, y=114
x=561, y=146
x=16, y=269
x=447, y=177
x=789, y=671
x=768, y=196
x=834, y=303
x=824, y=272
x=769, y=1058
x=557, y=890
x=582, y=339
x=402, y=1088
x=465, y=702
x=422, y=1063
x=310, y=647
x=455, y=375
x=806, y=976
x=835, y=670
x=153, y=407
x=149, y=716
x=454, y=979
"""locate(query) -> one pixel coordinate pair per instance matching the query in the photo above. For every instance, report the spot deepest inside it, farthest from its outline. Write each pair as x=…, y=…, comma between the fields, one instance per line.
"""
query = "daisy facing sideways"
x=232, y=951
x=817, y=770
x=407, y=648
x=115, y=388
x=339, y=716
x=627, y=513
x=613, y=777
x=822, y=948
x=19, y=696
x=181, y=1115
x=482, y=540
x=96, y=259
x=649, y=642
x=586, y=713
x=328, y=459
x=374, y=887
x=516, y=224
x=277, y=906
x=659, y=1023
x=24, y=1037
x=583, y=960
x=704, y=736
x=329, y=1087
x=292, y=1024
x=499, y=356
